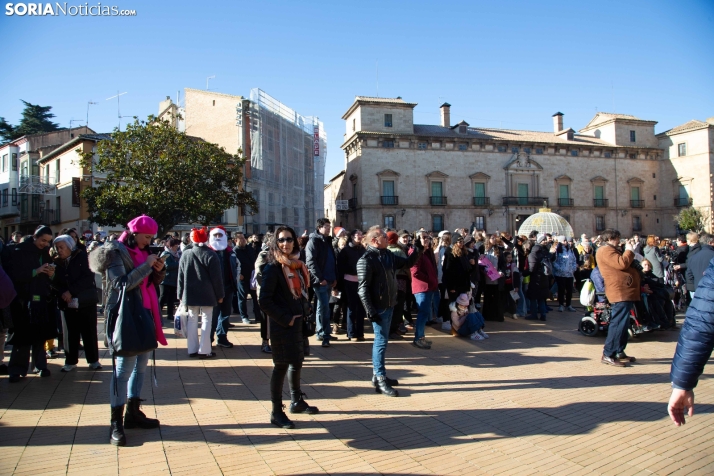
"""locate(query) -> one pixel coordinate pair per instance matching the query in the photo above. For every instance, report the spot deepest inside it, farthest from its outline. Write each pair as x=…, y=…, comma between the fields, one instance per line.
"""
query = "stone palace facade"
x=615, y=172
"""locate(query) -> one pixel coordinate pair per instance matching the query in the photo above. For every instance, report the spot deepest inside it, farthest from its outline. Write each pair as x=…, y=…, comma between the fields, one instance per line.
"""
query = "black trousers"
x=277, y=380
x=81, y=322
x=20, y=357
x=494, y=303
x=565, y=290
x=168, y=299
x=444, y=302
x=398, y=312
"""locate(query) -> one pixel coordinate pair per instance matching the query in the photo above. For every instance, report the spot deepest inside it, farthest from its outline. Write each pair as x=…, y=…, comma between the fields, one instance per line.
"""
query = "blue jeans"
x=322, y=315
x=521, y=304
x=381, y=337
x=474, y=322
x=538, y=306
x=243, y=292
x=426, y=302
x=616, y=340
x=129, y=374
x=221, y=317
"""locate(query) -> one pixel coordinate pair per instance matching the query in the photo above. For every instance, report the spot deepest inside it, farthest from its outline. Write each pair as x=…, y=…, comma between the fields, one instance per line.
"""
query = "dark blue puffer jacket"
x=696, y=339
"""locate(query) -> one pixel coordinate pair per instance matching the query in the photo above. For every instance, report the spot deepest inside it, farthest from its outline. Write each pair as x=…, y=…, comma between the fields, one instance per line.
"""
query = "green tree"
x=691, y=219
x=35, y=119
x=151, y=168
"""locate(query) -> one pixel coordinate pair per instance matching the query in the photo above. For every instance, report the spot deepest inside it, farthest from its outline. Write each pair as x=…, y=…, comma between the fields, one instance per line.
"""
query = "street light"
x=210, y=77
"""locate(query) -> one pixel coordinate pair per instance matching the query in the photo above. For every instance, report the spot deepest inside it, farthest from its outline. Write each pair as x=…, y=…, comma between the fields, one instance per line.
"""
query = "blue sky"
x=508, y=64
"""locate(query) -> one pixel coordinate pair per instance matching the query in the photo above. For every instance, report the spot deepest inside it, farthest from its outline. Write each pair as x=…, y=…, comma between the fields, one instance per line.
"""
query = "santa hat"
x=199, y=235
x=216, y=228
x=339, y=231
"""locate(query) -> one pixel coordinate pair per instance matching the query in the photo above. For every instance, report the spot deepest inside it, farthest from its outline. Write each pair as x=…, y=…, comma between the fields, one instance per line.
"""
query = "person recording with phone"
x=34, y=309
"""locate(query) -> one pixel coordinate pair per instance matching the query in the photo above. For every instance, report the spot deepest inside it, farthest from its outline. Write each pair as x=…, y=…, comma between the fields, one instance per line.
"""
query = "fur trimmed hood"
x=101, y=258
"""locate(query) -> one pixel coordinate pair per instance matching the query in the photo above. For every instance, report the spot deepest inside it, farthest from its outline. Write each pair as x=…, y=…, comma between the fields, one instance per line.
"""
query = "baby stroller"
x=599, y=320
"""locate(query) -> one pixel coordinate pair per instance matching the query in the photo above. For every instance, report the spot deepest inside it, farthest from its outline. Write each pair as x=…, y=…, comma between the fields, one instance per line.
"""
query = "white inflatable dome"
x=546, y=222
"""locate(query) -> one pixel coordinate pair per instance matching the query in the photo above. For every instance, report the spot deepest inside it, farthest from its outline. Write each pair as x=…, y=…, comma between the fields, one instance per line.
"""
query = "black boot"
x=279, y=418
x=384, y=388
x=135, y=418
x=116, y=434
x=299, y=405
x=391, y=381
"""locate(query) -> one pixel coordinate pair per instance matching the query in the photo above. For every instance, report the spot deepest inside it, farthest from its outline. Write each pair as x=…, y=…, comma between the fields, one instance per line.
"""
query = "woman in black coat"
x=456, y=270
x=540, y=265
x=34, y=309
x=283, y=298
x=77, y=292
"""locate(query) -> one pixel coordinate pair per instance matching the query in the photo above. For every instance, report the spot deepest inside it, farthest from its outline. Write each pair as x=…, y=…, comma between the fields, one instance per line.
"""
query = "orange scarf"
x=295, y=273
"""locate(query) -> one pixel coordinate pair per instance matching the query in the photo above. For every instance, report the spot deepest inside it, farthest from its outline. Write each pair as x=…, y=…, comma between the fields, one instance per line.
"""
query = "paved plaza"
x=533, y=399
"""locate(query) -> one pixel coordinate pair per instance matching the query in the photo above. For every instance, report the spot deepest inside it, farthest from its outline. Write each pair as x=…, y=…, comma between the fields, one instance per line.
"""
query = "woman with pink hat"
x=129, y=258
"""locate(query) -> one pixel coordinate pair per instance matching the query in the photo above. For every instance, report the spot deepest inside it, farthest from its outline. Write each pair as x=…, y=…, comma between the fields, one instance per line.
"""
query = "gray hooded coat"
x=200, y=277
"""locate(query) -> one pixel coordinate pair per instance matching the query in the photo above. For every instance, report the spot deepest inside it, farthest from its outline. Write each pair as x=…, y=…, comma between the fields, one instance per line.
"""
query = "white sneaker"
x=95, y=365
x=483, y=334
x=515, y=316
x=446, y=326
x=68, y=368
x=560, y=309
x=571, y=309
x=477, y=336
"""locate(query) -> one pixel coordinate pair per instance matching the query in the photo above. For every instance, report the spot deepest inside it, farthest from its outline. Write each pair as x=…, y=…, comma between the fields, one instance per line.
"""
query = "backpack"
x=587, y=293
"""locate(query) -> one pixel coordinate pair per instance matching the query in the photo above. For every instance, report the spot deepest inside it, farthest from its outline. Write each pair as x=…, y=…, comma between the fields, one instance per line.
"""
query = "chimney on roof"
x=445, y=115
x=557, y=122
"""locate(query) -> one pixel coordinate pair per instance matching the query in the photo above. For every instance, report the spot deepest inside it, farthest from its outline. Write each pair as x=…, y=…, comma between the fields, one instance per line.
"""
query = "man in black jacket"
x=322, y=263
x=698, y=260
x=378, y=292
x=246, y=255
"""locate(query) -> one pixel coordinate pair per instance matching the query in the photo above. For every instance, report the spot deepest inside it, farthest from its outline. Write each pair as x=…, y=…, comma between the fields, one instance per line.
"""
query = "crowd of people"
x=323, y=284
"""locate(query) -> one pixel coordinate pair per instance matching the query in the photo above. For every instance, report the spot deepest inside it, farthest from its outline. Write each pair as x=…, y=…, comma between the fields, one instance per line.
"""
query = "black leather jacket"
x=377, y=281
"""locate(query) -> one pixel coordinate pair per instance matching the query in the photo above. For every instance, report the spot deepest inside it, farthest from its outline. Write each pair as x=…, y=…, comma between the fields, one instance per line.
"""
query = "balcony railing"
x=526, y=201
x=637, y=203
x=352, y=203
x=437, y=201
x=37, y=184
x=566, y=202
x=482, y=201
x=389, y=199
x=682, y=202
x=600, y=202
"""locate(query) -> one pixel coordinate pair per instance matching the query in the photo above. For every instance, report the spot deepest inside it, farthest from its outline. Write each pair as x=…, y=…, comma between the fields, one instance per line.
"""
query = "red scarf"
x=295, y=273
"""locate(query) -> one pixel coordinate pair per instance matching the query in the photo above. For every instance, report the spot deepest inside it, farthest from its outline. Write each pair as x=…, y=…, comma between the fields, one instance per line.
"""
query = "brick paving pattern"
x=533, y=399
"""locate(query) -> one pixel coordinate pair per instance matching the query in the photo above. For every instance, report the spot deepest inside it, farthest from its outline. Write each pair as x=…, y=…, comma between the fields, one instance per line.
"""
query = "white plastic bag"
x=514, y=295
x=587, y=293
x=180, y=319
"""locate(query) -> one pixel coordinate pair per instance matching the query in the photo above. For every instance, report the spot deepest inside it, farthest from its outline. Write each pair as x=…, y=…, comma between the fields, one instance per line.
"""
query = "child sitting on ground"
x=465, y=323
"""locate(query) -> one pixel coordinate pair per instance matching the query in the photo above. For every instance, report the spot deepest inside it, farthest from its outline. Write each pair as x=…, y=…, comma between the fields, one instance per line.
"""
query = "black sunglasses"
x=285, y=240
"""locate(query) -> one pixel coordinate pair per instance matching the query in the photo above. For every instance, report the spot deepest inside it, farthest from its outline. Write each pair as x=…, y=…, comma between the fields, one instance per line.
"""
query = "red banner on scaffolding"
x=316, y=142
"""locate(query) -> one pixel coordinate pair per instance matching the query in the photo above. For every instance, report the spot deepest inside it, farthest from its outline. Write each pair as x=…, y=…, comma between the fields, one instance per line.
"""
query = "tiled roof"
x=602, y=117
x=692, y=125
x=68, y=145
x=378, y=99
x=510, y=135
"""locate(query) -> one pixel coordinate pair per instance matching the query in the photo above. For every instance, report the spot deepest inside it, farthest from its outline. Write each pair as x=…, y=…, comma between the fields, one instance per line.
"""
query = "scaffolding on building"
x=287, y=157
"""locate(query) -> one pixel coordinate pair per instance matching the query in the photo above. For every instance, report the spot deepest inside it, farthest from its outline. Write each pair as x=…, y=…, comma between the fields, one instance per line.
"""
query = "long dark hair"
x=274, y=244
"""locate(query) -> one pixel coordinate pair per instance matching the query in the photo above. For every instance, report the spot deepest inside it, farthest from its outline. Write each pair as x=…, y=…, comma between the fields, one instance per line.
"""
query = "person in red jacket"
x=425, y=286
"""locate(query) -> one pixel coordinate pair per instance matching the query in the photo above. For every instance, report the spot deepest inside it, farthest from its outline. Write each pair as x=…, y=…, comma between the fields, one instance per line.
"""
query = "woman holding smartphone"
x=283, y=298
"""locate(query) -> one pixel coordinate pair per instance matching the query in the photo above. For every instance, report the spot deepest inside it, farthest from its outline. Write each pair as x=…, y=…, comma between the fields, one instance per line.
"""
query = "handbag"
x=180, y=321
x=129, y=326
